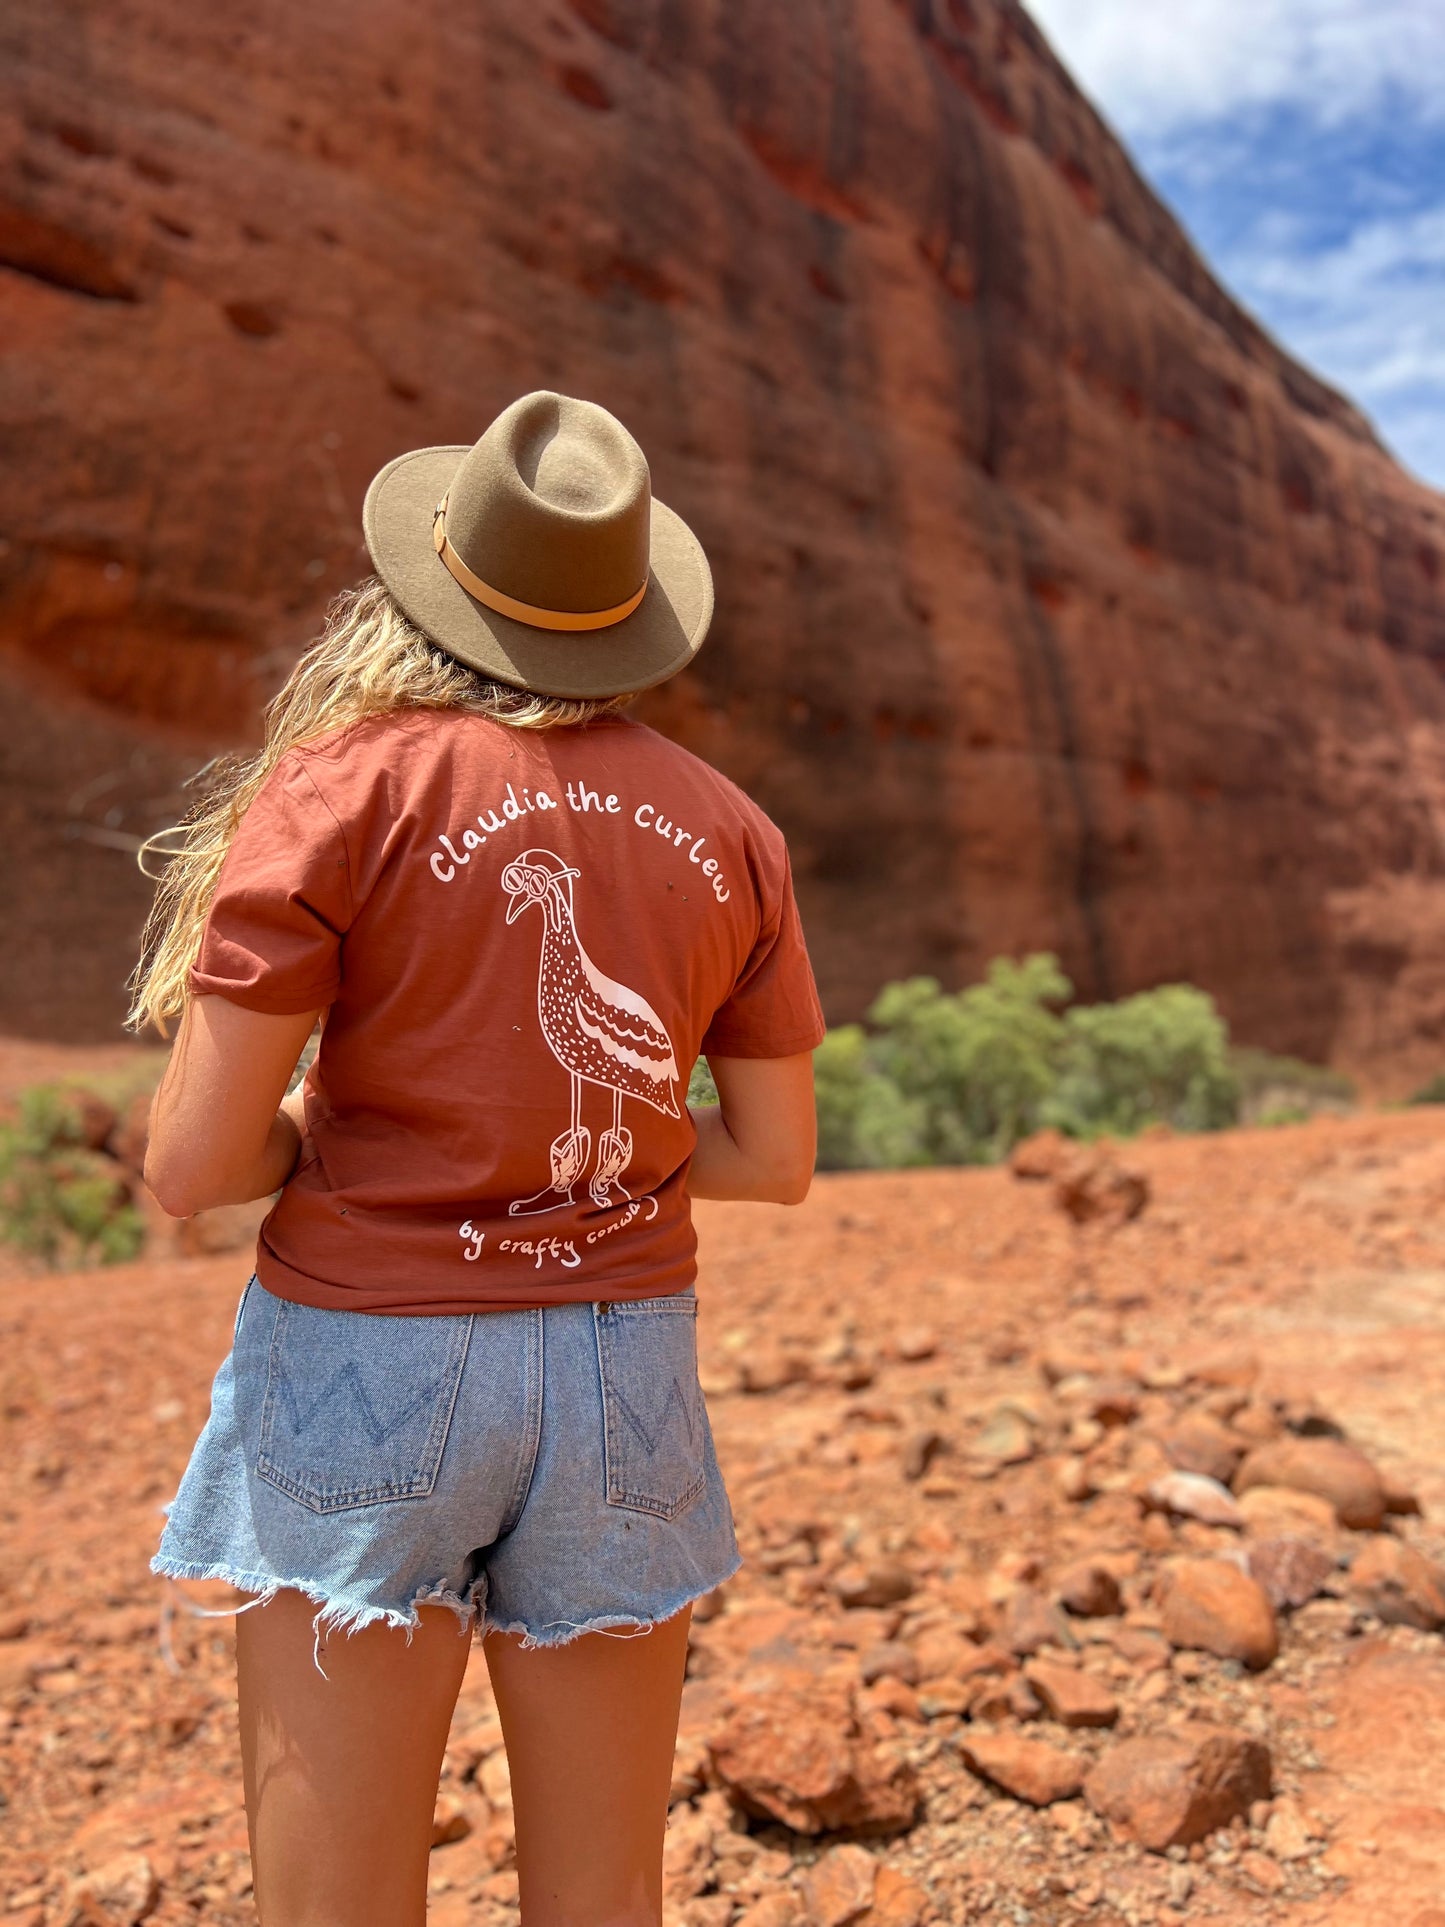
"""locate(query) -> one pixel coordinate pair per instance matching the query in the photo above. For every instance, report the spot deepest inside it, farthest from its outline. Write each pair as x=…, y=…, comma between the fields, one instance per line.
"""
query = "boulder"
x=1192, y=1495
x=1030, y=1621
x=1171, y=1789
x=1198, y=1442
x=1324, y=1467
x=838, y=1887
x=1095, y=1187
x=1088, y=1590
x=1031, y=1770
x=1399, y=1584
x=1210, y=1605
x=792, y=1749
x=1291, y=1570
x=1070, y=1695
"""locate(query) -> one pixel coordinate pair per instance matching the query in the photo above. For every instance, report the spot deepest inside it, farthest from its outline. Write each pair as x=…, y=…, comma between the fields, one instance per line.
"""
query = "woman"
x=463, y=1383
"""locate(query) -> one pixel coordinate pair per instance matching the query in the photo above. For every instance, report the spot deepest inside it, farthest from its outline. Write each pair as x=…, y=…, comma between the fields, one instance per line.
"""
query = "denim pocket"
x=654, y=1424
x=358, y=1405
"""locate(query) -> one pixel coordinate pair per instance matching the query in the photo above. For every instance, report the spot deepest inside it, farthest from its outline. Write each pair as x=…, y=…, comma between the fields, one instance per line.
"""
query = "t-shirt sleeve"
x=272, y=940
x=773, y=1008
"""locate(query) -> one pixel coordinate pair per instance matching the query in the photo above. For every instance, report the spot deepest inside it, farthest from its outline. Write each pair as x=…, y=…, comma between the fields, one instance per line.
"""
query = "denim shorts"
x=544, y=1473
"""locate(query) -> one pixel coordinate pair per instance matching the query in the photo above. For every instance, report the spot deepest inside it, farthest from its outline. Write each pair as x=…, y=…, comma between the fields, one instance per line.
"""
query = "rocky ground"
x=1090, y=1514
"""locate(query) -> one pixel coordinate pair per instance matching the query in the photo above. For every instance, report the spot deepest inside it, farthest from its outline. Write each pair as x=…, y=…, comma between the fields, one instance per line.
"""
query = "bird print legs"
x=614, y=1153
x=569, y=1160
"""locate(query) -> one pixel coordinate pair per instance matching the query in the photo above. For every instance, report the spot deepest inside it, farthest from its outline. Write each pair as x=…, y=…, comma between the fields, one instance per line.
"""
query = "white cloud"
x=1366, y=310
x=1283, y=131
x=1155, y=68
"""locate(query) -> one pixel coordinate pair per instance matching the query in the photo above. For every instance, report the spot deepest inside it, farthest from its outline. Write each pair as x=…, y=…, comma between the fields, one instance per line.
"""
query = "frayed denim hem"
x=335, y=1615
x=562, y=1632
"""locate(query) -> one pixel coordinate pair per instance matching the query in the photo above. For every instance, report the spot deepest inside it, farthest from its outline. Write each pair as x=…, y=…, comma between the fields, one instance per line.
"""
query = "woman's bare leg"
x=341, y=1773
x=590, y=1729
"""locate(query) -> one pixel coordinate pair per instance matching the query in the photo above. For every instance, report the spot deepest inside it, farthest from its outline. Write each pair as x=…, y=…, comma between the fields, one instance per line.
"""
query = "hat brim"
x=661, y=636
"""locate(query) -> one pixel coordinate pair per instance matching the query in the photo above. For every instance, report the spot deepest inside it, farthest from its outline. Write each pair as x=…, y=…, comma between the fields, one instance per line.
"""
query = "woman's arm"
x=760, y=1140
x=218, y=1134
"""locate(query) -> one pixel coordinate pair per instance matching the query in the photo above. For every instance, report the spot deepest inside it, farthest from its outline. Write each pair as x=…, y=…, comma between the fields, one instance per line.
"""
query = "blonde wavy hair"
x=369, y=660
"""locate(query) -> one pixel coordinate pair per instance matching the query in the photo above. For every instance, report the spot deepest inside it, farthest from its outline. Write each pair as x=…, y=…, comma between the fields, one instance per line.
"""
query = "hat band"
x=527, y=612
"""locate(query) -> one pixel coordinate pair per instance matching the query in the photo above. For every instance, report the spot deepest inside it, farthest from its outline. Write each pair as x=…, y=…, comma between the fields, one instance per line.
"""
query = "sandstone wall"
x=1057, y=606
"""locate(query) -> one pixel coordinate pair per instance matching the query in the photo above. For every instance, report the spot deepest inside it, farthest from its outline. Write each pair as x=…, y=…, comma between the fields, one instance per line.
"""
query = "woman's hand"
x=218, y=1131
x=760, y=1141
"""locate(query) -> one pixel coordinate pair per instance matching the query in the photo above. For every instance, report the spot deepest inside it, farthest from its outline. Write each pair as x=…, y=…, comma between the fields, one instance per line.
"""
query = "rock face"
x=1057, y=606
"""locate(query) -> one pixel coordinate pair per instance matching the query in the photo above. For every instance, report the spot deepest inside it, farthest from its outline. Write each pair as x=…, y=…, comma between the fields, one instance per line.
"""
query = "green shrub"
x=865, y=1122
x=981, y=1062
x=1159, y=1056
x=1431, y=1093
x=59, y=1202
x=700, y=1087
x=958, y=1078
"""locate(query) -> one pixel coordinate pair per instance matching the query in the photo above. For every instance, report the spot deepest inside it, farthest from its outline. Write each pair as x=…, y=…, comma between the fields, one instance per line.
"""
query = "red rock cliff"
x=1057, y=606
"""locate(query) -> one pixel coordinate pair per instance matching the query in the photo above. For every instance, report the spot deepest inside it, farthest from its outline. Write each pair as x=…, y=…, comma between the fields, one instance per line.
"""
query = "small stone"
x=1212, y=1605
x=790, y=1748
x=915, y=1343
x=1007, y=1437
x=1287, y=1834
x=919, y=1451
x=768, y=1368
x=1070, y=1695
x=773, y=1910
x=1030, y=1621
x=1094, y=1187
x=1231, y=1370
x=1399, y=1585
x=1273, y=1511
x=1199, y=1443
x=1179, y=1885
x=884, y=1584
x=120, y=1893
x=1110, y=1402
x=889, y=1659
x=1170, y=1789
x=1088, y=1590
x=708, y=1910
x=1400, y=1498
x=1192, y=1495
x=1031, y=1770
x=1326, y=1467
x=1291, y=1570
x=451, y=1821
x=1074, y=1481
x=1263, y=1872
x=838, y=1887
x=1042, y=1156
x=897, y=1900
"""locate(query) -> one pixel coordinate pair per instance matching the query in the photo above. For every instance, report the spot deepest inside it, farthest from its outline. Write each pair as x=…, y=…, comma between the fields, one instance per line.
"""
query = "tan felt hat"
x=538, y=555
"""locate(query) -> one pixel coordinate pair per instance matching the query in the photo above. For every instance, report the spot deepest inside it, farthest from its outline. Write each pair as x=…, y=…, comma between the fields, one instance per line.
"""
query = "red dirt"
x=1274, y=1276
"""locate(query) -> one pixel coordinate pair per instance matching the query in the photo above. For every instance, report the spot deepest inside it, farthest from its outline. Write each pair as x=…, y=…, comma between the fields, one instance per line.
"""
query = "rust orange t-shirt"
x=522, y=941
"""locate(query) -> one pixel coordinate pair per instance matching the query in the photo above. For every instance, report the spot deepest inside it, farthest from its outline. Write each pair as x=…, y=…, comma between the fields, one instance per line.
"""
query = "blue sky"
x=1302, y=143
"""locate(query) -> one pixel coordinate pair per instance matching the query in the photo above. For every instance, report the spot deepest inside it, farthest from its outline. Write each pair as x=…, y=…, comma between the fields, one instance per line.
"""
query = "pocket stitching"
x=618, y=1494
x=347, y=1498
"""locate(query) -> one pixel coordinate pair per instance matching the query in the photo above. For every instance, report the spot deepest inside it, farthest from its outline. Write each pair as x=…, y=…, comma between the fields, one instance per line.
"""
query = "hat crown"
x=553, y=506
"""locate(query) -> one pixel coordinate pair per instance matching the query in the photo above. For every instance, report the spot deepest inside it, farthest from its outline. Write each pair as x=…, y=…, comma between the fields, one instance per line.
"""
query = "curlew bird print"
x=599, y=1031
